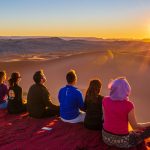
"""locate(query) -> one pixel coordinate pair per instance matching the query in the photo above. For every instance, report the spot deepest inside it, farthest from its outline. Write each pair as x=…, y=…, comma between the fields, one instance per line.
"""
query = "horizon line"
x=100, y=38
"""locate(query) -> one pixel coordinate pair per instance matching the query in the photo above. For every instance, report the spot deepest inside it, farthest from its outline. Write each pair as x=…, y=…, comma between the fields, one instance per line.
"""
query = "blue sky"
x=99, y=18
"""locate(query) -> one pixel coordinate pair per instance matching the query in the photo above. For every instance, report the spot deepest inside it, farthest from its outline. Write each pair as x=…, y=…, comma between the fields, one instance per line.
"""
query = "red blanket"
x=25, y=133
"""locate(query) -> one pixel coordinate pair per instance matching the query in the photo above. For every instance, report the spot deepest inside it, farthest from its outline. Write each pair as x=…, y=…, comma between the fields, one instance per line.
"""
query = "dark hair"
x=38, y=76
x=14, y=78
x=71, y=76
x=2, y=74
x=93, y=89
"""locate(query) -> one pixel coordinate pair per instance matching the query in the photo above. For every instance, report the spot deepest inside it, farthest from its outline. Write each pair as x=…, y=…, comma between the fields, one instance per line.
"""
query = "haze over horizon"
x=86, y=18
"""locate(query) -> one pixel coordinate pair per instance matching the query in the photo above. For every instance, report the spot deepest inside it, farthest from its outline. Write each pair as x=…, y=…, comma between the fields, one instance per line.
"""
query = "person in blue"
x=71, y=100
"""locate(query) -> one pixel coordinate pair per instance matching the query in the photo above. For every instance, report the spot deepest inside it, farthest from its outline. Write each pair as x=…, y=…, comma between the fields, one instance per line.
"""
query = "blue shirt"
x=71, y=100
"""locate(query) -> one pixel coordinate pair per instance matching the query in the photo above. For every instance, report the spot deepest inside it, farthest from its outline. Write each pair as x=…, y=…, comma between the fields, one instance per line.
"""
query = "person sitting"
x=71, y=100
x=15, y=100
x=39, y=103
x=118, y=112
x=93, y=105
x=3, y=90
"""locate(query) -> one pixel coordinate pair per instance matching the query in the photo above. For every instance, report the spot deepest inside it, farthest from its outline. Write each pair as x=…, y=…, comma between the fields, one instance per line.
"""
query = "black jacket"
x=94, y=115
x=15, y=104
x=38, y=101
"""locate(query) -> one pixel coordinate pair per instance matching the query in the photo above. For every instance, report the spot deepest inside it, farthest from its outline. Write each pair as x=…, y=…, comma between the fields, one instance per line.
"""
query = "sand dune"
x=103, y=65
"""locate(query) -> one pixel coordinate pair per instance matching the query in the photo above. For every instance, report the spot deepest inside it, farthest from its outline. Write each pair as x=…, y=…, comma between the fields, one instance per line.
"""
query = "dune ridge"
x=94, y=64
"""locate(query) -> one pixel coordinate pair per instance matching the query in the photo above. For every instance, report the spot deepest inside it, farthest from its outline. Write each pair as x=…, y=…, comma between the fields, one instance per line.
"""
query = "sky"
x=76, y=18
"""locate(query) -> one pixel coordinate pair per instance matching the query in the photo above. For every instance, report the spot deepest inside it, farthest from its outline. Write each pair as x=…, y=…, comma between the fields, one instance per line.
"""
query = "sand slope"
x=103, y=65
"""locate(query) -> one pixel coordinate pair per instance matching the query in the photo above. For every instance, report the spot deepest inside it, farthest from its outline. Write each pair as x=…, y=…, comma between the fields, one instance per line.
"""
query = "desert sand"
x=89, y=65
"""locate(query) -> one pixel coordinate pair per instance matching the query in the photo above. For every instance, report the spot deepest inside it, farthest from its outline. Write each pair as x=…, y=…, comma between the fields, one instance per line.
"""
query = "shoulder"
x=39, y=86
x=129, y=104
x=4, y=85
x=62, y=89
x=106, y=100
x=44, y=88
x=18, y=87
x=32, y=86
x=77, y=91
x=100, y=97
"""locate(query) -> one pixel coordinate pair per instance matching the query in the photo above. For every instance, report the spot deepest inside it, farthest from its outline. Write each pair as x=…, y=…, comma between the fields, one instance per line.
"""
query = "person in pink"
x=118, y=112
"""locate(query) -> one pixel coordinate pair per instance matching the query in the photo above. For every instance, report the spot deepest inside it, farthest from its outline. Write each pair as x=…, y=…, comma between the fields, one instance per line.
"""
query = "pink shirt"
x=116, y=115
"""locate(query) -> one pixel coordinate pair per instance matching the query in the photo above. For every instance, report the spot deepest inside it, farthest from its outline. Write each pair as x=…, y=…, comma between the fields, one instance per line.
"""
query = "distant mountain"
x=44, y=45
x=65, y=38
x=22, y=37
x=83, y=38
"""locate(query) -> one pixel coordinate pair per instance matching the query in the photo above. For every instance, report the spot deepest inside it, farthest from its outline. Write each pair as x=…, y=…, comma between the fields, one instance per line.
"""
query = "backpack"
x=11, y=94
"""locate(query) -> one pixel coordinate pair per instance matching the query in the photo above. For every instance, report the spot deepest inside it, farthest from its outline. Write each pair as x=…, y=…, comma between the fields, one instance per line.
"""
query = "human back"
x=35, y=104
x=71, y=100
x=15, y=99
x=39, y=103
x=93, y=105
x=118, y=113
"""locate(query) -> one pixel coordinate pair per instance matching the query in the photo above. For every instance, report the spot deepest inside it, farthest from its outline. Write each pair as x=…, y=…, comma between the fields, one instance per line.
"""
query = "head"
x=71, y=77
x=93, y=89
x=14, y=79
x=2, y=76
x=39, y=77
x=119, y=89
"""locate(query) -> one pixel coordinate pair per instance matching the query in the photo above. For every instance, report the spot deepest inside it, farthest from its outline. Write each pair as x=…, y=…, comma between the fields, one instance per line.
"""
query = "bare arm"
x=134, y=124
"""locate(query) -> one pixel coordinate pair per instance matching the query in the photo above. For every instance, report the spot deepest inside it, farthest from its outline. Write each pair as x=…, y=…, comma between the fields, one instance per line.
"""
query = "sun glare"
x=149, y=30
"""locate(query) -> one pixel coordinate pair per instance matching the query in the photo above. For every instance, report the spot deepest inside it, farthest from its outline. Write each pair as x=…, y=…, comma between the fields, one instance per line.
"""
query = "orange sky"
x=96, y=18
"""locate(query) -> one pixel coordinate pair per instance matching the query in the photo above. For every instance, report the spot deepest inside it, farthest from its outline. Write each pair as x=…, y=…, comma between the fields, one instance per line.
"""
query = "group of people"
x=11, y=96
x=109, y=114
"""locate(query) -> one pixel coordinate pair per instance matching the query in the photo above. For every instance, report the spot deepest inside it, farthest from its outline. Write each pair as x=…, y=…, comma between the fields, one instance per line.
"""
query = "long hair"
x=14, y=78
x=93, y=90
x=2, y=74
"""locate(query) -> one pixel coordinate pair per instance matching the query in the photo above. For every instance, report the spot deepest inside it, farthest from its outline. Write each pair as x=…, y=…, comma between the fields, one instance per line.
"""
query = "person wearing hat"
x=15, y=100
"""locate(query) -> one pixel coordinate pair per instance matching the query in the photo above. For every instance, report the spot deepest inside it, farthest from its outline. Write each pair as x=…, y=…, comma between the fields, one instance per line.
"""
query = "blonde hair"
x=2, y=75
